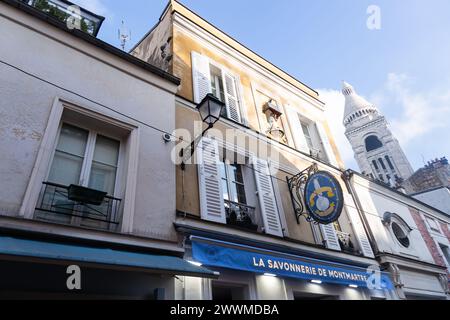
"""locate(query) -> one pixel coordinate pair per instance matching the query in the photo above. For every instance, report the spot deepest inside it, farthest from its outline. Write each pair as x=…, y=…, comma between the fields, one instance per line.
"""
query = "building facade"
x=235, y=211
x=377, y=152
x=81, y=157
x=409, y=238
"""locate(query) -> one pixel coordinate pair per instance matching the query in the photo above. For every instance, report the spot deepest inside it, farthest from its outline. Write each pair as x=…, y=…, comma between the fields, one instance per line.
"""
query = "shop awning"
x=214, y=253
x=83, y=254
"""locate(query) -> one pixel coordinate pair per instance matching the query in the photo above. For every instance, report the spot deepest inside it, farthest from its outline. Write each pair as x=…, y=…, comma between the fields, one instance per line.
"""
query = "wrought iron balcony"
x=240, y=215
x=345, y=242
x=77, y=205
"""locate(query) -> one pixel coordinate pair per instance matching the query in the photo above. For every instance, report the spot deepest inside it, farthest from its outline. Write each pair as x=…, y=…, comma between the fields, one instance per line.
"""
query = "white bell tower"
x=377, y=151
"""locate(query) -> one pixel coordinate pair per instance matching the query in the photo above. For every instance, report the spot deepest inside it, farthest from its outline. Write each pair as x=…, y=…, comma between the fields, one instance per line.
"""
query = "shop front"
x=256, y=273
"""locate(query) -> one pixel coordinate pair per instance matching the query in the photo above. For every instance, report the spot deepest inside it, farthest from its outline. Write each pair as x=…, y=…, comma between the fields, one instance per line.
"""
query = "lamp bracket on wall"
x=296, y=186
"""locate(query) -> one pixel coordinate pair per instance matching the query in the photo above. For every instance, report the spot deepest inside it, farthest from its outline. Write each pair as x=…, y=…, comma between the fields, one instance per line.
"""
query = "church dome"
x=355, y=106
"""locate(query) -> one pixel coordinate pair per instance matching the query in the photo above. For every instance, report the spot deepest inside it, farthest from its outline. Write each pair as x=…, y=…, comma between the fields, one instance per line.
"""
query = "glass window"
x=307, y=135
x=389, y=162
x=382, y=163
x=400, y=234
x=104, y=164
x=233, y=183
x=69, y=156
x=70, y=166
x=375, y=165
x=217, y=83
x=446, y=252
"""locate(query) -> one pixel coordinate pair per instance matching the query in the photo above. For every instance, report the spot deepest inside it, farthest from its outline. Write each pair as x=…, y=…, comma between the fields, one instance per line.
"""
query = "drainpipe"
x=347, y=176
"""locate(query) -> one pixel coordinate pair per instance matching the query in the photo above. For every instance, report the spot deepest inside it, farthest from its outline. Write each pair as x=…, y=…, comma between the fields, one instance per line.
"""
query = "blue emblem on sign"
x=323, y=197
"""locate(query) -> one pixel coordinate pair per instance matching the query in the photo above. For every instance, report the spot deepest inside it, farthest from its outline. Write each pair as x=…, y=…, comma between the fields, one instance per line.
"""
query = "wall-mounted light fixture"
x=210, y=110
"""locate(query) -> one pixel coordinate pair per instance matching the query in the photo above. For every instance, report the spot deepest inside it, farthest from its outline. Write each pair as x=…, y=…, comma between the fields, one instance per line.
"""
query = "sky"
x=401, y=63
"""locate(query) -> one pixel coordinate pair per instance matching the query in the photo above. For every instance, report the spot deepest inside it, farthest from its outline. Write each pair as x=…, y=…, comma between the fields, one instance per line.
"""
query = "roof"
x=354, y=103
x=92, y=40
x=174, y=6
x=20, y=247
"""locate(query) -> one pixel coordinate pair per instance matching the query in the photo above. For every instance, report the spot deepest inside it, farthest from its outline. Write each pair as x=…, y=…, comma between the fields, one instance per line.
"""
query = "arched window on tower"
x=373, y=143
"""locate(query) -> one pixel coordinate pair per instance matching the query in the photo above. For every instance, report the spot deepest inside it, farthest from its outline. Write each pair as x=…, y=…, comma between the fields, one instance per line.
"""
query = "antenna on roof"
x=124, y=35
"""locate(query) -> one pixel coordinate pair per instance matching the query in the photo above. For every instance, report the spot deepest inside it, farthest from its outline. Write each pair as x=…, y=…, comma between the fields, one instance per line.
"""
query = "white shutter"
x=296, y=130
x=326, y=145
x=211, y=196
x=231, y=97
x=266, y=195
x=360, y=232
x=330, y=237
x=201, y=76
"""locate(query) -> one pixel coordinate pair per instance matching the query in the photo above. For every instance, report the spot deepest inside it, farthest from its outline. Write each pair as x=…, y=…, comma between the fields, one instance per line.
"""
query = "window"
x=307, y=135
x=382, y=163
x=389, y=162
x=433, y=224
x=71, y=163
x=81, y=183
x=446, y=252
x=373, y=143
x=375, y=165
x=210, y=77
x=232, y=182
x=228, y=292
x=401, y=234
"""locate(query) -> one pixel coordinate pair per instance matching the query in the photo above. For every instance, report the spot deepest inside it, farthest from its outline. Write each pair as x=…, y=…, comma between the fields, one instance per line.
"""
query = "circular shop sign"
x=323, y=197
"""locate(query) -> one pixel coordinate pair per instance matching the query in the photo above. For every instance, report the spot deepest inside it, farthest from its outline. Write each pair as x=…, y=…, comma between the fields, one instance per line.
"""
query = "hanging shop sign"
x=323, y=197
x=233, y=256
x=316, y=195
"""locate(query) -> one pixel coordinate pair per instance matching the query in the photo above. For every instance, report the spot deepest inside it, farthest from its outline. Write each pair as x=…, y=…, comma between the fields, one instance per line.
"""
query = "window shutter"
x=360, y=232
x=266, y=195
x=201, y=76
x=211, y=196
x=330, y=237
x=296, y=130
x=231, y=97
x=326, y=145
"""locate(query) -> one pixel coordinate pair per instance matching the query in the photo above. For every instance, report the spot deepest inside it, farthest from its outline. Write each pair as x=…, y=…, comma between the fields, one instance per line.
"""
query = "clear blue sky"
x=404, y=67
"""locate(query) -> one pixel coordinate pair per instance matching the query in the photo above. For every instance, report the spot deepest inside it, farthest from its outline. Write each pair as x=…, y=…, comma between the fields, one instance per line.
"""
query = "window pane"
x=69, y=156
x=223, y=173
x=66, y=169
x=235, y=173
x=72, y=140
x=241, y=194
x=225, y=190
x=107, y=151
x=217, y=83
x=104, y=165
x=103, y=177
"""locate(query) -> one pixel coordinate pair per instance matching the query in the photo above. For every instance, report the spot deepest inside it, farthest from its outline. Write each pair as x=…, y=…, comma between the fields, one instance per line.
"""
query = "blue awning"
x=83, y=254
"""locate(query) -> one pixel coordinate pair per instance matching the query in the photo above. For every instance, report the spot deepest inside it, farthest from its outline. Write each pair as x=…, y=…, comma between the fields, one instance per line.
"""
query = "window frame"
x=130, y=139
x=89, y=155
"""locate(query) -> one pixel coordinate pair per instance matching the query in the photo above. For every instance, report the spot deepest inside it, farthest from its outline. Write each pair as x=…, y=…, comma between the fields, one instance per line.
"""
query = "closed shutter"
x=360, y=232
x=266, y=195
x=211, y=196
x=201, y=76
x=326, y=145
x=231, y=97
x=330, y=237
x=296, y=130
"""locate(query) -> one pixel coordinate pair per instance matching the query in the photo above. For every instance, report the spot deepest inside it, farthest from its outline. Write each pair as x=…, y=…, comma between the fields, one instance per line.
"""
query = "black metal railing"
x=241, y=215
x=345, y=242
x=78, y=206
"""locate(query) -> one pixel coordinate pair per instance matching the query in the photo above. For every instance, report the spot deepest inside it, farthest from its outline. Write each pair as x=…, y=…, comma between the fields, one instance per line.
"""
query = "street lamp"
x=210, y=110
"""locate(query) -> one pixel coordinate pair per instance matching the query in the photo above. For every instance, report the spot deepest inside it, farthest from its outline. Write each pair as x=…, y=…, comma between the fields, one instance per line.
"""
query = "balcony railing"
x=241, y=215
x=77, y=205
x=345, y=242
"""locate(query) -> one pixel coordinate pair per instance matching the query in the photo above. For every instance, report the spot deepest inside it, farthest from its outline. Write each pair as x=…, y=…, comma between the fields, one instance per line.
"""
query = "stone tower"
x=377, y=151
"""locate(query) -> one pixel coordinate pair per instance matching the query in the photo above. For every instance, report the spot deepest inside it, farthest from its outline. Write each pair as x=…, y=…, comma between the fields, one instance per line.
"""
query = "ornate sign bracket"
x=296, y=186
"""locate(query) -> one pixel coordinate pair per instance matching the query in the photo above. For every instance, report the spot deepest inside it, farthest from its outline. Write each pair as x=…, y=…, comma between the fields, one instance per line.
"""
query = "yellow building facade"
x=272, y=128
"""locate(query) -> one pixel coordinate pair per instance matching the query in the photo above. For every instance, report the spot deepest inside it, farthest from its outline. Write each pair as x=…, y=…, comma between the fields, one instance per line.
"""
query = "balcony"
x=241, y=215
x=75, y=205
x=345, y=242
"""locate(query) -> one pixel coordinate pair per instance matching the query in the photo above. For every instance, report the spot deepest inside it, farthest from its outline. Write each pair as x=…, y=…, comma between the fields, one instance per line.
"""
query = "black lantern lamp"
x=210, y=110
